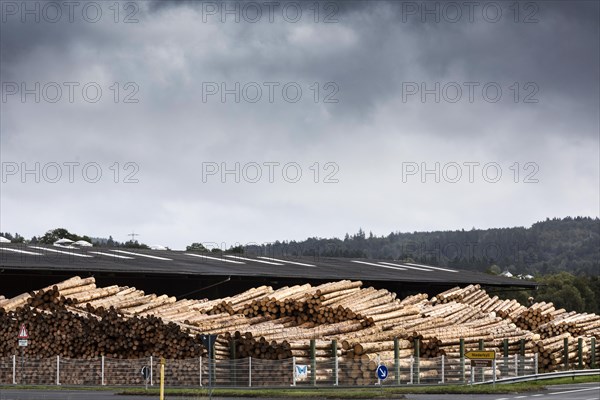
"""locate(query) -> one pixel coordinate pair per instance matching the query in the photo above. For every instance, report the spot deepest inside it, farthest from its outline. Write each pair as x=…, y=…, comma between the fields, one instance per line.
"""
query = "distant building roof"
x=83, y=243
x=21, y=257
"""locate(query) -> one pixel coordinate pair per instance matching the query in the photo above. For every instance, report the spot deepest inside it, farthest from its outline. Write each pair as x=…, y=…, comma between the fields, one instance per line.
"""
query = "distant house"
x=63, y=242
x=506, y=274
x=82, y=243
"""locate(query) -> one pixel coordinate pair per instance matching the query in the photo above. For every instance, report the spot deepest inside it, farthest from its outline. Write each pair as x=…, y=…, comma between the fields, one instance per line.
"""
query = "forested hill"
x=569, y=244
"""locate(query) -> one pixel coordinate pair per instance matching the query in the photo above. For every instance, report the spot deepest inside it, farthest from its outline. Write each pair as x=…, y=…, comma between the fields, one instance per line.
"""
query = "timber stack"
x=77, y=319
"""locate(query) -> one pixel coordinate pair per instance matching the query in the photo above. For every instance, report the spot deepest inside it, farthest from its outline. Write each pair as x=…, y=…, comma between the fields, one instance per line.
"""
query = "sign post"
x=208, y=341
x=162, y=379
x=23, y=342
x=146, y=375
x=482, y=359
x=382, y=372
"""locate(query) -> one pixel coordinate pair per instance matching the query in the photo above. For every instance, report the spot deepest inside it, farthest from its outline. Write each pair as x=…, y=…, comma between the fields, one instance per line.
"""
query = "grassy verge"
x=331, y=393
x=368, y=393
x=55, y=387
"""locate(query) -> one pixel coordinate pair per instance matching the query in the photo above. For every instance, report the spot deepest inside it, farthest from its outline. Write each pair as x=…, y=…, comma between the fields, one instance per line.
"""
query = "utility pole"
x=133, y=235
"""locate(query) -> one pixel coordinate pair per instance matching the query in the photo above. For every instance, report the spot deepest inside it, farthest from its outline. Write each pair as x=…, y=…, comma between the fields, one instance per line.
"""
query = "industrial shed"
x=191, y=274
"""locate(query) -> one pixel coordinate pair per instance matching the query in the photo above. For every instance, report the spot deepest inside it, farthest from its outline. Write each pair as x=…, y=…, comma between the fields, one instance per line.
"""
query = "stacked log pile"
x=73, y=333
x=77, y=319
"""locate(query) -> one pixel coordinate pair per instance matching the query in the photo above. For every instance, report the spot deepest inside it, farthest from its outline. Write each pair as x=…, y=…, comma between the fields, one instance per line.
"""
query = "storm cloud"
x=255, y=121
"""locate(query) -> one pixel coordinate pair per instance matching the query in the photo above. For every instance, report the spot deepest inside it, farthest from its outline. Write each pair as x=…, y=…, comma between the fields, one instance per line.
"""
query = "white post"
x=14, y=369
x=494, y=371
x=102, y=369
x=378, y=364
x=200, y=371
x=535, y=363
x=57, y=370
x=472, y=375
x=516, y=365
x=249, y=371
x=337, y=372
x=443, y=368
x=294, y=371
x=151, y=371
x=412, y=360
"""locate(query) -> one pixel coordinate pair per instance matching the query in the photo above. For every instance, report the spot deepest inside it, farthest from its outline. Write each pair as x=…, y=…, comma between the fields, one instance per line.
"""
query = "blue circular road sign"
x=382, y=372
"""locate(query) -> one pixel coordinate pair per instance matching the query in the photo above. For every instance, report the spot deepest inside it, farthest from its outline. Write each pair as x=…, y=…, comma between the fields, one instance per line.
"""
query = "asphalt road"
x=586, y=391
x=583, y=391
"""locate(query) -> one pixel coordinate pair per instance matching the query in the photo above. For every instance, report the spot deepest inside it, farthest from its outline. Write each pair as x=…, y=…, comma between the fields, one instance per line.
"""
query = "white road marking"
x=142, y=255
x=286, y=261
x=573, y=391
x=253, y=259
x=71, y=253
x=213, y=258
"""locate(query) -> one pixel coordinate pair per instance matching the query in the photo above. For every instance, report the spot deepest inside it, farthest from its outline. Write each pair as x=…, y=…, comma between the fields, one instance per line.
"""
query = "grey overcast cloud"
x=255, y=121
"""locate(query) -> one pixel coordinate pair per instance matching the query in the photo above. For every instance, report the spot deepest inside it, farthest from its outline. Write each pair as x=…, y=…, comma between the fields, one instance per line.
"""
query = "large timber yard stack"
x=76, y=319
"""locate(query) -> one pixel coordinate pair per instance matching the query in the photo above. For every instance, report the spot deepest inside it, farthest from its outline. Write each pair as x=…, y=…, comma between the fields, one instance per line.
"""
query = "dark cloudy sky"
x=358, y=96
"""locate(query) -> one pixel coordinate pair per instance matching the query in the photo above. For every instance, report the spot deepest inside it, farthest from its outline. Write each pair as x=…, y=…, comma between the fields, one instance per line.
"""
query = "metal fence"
x=252, y=372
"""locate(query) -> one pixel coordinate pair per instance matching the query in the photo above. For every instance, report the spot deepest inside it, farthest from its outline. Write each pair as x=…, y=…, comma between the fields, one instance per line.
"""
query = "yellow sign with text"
x=480, y=355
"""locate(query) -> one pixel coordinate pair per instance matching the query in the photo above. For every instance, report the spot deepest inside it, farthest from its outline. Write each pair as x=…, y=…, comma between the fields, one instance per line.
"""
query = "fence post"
x=593, y=355
x=462, y=359
x=443, y=368
x=481, y=370
x=57, y=370
x=412, y=361
x=313, y=363
x=472, y=375
x=249, y=371
x=378, y=364
x=505, y=355
x=200, y=362
x=566, y=353
x=535, y=363
x=417, y=357
x=580, y=352
x=397, y=360
x=335, y=361
x=294, y=371
x=102, y=371
x=494, y=371
x=232, y=356
x=14, y=369
x=522, y=353
x=151, y=371
x=516, y=365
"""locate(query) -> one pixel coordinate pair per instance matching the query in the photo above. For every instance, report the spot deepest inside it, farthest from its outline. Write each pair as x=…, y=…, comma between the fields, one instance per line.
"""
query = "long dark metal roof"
x=23, y=258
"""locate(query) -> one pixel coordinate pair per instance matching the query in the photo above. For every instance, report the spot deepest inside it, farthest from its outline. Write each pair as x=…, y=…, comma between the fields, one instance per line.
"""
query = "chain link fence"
x=253, y=372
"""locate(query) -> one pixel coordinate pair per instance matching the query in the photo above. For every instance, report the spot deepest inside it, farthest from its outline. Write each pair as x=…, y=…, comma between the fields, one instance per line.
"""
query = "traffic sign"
x=145, y=372
x=382, y=372
x=23, y=334
x=482, y=363
x=22, y=342
x=480, y=355
x=301, y=371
